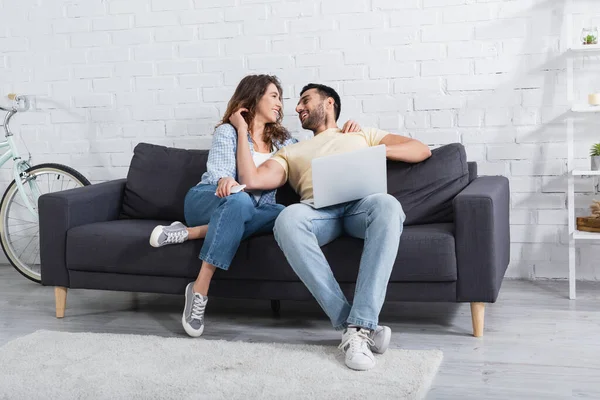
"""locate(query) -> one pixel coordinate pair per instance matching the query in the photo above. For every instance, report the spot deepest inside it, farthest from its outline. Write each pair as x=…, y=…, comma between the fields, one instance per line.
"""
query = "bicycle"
x=20, y=241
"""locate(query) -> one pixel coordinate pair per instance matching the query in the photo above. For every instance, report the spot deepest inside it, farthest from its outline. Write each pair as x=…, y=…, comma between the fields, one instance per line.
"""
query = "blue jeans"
x=230, y=220
x=301, y=230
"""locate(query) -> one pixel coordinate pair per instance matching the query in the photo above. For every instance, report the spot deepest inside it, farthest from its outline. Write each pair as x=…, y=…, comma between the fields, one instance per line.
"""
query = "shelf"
x=590, y=48
x=585, y=108
x=580, y=235
x=585, y=173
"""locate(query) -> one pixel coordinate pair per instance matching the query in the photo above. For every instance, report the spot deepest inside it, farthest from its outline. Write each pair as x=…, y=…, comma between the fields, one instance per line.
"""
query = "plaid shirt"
x=222, y=159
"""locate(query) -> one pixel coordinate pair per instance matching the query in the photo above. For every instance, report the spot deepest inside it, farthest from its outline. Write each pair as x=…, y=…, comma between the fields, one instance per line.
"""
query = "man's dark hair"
x=326, y=91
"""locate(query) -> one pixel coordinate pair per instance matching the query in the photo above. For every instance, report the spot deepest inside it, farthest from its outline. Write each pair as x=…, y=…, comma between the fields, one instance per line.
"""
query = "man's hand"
x=402, y=148
x=224, y=186
x=238, y=121
x=351, y=126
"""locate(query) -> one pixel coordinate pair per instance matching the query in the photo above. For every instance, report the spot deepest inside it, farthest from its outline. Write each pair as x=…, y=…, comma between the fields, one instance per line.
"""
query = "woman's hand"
x=238, y=121
x=351, y=126
x=224, y=186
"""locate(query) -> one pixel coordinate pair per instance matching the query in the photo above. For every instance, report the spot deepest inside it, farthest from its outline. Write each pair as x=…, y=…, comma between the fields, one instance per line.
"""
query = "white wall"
x=106, y=75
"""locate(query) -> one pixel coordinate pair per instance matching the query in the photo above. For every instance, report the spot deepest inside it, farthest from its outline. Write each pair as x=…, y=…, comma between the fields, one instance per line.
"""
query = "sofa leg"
x=477, y=315
x=275, y=306
x=60, y=295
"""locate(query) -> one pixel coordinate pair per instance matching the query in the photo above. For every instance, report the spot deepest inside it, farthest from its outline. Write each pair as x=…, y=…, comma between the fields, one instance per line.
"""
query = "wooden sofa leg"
x=60, y=295
x=477, y=315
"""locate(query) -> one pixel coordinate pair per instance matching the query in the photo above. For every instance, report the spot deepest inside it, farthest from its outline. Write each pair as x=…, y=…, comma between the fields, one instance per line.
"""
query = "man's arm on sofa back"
x=64, y=210
x=481, y=215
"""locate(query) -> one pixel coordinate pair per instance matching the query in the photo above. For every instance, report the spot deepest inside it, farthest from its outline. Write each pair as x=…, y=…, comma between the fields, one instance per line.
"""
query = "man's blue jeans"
x=230, y=220
x=301, y=230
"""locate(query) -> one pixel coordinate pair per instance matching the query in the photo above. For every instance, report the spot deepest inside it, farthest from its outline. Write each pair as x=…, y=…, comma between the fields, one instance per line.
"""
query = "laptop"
x=344, y=177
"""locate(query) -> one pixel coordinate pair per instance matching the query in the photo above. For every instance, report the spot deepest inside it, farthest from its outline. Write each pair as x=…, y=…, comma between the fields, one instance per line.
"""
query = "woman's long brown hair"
x=247, y=95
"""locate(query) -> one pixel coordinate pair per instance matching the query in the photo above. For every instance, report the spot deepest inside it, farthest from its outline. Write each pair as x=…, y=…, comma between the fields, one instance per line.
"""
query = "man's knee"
x=387, y=205
x=289, y=221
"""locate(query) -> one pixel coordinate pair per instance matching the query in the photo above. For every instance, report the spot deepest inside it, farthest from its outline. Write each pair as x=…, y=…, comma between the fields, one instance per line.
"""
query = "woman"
x=214, y=208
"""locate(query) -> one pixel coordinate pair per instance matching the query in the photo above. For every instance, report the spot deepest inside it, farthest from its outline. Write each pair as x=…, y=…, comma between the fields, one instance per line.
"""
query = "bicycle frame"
x=20, y=166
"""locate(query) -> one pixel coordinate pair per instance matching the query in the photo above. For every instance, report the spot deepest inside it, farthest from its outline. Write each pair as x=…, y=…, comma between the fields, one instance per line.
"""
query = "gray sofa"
x=454, y=247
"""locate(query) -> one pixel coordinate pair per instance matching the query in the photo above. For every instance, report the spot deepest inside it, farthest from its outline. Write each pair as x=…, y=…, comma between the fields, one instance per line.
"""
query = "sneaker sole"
x=386, y=340
x=189, y=330
x=360, y=367
x=155, y=235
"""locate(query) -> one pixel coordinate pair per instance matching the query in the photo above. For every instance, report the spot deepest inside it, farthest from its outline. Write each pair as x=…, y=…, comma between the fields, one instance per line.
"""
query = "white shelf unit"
x=584, y=108
x=585, y=173
x=572, y=51
x=581, y=235
x=588, y=48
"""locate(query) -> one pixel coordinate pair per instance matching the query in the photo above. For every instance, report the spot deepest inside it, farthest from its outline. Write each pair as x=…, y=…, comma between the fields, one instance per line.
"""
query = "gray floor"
x=537, y=344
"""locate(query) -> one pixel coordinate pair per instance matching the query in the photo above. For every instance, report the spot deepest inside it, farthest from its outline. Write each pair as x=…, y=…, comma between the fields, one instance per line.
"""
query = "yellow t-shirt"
x=297, y=158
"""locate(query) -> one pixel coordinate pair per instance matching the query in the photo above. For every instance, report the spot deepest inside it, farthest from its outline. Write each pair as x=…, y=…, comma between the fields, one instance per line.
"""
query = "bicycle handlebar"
x=20, y=100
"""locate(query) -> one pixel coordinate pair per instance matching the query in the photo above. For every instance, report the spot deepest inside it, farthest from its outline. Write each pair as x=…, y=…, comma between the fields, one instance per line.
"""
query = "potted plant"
x=590, y=39
x=595, y=155
x=589, y=36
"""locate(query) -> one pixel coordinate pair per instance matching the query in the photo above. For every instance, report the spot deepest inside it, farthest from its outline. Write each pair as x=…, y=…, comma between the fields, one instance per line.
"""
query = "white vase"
x=595, y=163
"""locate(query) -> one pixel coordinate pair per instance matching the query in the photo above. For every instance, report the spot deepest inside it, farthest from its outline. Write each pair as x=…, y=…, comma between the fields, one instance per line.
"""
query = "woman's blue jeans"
x=230, y=220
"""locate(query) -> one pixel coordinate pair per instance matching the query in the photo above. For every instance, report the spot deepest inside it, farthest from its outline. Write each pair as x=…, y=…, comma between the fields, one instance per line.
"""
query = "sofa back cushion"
x=426, y=189
x=158, y=179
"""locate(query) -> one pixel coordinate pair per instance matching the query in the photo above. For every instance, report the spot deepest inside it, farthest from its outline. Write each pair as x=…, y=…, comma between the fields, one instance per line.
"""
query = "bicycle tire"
x=9, y=194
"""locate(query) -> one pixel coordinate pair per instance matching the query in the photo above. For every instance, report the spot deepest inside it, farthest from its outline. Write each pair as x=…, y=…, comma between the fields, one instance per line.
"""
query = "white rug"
x=60, y=365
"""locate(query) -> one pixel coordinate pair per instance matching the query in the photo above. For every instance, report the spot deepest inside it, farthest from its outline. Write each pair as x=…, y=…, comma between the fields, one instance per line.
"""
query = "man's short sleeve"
x=374, y=135
x=282, y=158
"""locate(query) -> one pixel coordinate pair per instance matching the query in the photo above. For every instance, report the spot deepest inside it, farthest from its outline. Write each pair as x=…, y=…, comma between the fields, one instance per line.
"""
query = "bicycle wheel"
x=20, y=234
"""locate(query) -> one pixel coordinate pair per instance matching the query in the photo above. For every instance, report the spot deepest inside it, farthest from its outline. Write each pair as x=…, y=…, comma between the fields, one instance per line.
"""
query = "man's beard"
x=315, y=118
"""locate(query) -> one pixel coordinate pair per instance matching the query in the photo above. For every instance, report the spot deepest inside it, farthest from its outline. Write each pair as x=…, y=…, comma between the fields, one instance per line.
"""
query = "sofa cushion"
x=426, y=254
x=122, y=247
x=426, y=189
x=158, y=180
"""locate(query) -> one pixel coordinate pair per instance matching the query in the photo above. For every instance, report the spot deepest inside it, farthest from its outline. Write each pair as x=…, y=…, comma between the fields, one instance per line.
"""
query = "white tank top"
x=259, y=158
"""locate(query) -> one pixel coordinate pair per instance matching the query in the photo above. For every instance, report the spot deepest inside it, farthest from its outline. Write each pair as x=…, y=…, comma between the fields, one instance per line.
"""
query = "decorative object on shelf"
x=595, y=208
x=589, y=36
x=594, y=99
x=595, y=157
x=592, y=223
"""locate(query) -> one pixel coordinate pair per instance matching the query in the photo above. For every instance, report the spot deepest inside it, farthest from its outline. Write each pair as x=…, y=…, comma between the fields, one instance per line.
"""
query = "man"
x=301, y=230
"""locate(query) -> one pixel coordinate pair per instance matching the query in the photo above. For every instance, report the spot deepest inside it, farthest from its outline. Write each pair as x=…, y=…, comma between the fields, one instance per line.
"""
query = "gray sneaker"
x=381, y=339
x=193, y=312
x=164, y=235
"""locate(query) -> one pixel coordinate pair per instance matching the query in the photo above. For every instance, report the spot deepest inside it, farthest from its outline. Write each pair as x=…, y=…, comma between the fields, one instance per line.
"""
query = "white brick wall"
x=107, y=74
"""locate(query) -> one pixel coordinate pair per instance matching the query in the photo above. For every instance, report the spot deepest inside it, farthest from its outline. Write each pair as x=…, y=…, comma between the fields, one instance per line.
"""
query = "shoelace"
x=198, y=308
x=358, y=338
x=175, y=237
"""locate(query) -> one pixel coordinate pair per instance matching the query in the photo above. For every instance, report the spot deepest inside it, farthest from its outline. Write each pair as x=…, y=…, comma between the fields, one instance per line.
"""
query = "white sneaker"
x=355, y=344
x=381, y=339
x=164, y=235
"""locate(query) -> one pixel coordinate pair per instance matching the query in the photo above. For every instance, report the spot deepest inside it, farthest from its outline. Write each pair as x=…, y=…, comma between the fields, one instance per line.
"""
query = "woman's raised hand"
x=238, y=121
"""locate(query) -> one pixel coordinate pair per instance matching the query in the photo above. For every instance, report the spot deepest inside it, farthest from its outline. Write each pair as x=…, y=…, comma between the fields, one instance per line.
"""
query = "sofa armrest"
x=481, y=217
x=64, y=210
